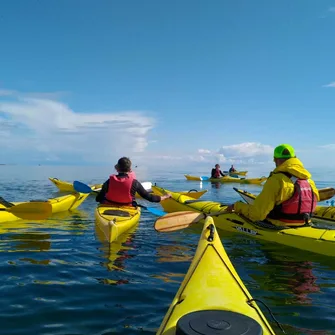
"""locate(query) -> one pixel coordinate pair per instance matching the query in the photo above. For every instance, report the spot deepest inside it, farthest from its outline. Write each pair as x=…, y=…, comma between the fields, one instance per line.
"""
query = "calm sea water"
x=57, y=277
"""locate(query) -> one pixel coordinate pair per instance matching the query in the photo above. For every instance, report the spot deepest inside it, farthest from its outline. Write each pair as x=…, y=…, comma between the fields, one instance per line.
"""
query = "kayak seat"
x=116, y=212
x=38, y=200
x=213, y=322
x=268, y=225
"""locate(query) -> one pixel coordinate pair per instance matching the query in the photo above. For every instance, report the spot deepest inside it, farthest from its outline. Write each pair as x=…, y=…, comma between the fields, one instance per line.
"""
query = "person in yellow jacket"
x=289, y=196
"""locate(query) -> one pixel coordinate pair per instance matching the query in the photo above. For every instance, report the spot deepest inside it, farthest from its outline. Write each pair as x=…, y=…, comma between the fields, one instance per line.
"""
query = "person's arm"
x=222, y=174
x=138, y=187
x=263, y=203
x=101, y=195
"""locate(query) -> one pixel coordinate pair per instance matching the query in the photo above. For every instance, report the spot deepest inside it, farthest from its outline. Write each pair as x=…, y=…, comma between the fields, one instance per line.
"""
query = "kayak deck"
x=59, y=204
x=191, y=193
x=228, y=179
x=65, y=186
x=213, y=293
x=113, y=221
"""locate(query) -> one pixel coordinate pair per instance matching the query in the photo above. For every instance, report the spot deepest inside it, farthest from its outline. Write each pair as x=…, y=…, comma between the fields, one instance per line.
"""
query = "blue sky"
x=178, y=82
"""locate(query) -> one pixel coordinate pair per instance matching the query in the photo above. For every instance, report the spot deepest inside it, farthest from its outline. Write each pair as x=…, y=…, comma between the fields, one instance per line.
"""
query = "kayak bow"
x=212, y=298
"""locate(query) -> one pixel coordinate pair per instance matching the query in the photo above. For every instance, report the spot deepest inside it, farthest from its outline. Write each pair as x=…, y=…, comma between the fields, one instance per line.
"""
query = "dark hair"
x=124, y=164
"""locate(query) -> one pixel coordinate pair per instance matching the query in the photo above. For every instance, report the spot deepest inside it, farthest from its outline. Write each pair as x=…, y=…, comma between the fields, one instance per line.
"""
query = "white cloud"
x=248, y=149
x=204, y=151
x=249, y=153
x=6, y=92
x=332, y=84
x=51, y=130
x=242, y=153
x=328, y=146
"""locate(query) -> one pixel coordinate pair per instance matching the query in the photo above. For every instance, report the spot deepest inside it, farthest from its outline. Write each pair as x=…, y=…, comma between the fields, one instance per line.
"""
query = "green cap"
x=284, y=151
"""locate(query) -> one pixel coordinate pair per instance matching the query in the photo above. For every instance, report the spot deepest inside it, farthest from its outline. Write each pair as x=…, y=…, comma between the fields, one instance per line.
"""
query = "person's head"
x=232, y=165
x=123, y=165
x=217, y=166
x=282, y=153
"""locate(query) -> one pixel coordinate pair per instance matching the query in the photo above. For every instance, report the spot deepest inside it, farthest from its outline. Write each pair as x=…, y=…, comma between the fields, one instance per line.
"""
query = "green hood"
x=295, y=167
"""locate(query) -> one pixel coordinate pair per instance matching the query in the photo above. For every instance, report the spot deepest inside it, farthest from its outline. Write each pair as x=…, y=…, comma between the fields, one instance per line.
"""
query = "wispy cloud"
x=44, y=127
x=331, y=9
x=6, y=92
x=332, y=84
x=204, y=151
x=248, y=149
x=250, y=153
x=242, y=153
x=328, y=146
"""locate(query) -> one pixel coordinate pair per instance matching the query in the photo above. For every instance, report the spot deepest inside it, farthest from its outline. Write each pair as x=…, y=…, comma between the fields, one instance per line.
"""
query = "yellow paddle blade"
x=177, y=220
x=326, y=193
x=31, y=210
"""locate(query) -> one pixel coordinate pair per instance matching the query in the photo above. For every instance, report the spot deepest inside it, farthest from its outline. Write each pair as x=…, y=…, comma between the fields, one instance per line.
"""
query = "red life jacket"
x=300, y=207
x=217, y=173
x=119, y=190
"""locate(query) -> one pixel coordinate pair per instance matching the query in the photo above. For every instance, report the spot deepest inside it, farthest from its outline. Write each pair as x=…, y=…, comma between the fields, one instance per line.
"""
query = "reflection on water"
x=115, y=253
x=173, y=253
x=30, y=241
x=294, y=278
x=286, y=277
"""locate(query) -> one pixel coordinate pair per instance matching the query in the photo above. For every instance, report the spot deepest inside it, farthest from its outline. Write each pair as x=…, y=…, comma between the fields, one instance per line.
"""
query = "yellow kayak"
x=191, y=193
x=228, y=179
x=318, y=240
x=321, y=212
x=239, y=173
x=65, y=186
x=212, y=298
x=113, y=221
x=59, y=204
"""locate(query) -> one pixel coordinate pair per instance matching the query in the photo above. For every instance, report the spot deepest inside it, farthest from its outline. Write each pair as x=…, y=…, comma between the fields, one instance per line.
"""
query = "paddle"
x=179, y=220
x=153, y=210
x=30, y=210
x=83, y=188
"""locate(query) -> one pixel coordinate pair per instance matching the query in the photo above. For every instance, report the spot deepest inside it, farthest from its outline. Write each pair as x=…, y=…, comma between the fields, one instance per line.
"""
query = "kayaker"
x=232, y=169
x=120, y=189
x=216, y=172
x=289, y=196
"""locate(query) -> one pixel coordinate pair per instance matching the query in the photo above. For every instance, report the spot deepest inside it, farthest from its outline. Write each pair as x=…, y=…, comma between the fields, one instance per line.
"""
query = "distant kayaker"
x=232, y=169
x=120, y=189
x=216, y=172
x=289, y=196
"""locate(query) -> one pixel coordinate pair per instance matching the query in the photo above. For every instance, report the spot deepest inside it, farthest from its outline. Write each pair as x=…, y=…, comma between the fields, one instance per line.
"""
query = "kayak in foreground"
x=113, y=221
x=212, y=298
x=321, y=212
x=65, y=186
x=59, y=204
x=321, y=241
x=191, y=193
x=228, y=179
